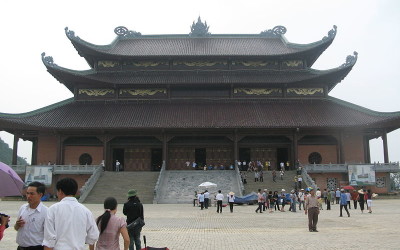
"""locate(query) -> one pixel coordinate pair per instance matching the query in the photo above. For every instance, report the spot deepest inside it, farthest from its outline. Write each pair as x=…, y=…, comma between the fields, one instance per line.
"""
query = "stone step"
x=287, y=183
x=117, y=184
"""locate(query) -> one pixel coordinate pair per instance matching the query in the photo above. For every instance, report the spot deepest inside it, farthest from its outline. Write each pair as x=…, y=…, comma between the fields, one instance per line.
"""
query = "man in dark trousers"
x=313, y=210
x=133, y=209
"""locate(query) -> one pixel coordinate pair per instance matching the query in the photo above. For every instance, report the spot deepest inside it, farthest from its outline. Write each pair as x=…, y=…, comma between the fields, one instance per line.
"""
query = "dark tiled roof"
x=243, y=77
x=270, y=113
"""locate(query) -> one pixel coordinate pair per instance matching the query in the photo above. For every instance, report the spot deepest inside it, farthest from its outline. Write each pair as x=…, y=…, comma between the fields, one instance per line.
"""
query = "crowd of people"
x=68, y=224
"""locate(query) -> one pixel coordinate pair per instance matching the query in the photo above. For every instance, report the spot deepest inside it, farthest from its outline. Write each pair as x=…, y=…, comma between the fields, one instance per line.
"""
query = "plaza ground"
x=186, y=227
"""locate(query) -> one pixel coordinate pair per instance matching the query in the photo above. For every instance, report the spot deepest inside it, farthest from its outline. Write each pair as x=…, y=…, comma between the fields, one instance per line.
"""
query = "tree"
x=6, y=155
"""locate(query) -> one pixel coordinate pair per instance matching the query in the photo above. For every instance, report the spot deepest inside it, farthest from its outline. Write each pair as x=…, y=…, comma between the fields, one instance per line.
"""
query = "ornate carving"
x=199, y=29
x=108, y=64
x=350, y=60
x=257, y=91
x=199, y=64
x=69, y=33
x=96, y=92
x=293, y=63
x=305, y=91
x=275, y=32
x=48, y=60
x=146, y=63
x=380, y=182
x=142, y=92
x=255, y=63
x=331, y=33
x=122, y=31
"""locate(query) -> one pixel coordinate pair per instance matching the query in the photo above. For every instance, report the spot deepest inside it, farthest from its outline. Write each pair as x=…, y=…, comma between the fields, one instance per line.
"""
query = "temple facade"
x=213, y=99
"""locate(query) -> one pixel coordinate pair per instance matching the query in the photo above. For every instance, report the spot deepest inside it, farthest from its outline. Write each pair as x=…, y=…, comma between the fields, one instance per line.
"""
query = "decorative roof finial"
x=48, y=60
x=122, y=31
x=331, y=33
x=350, y=60
x=275, y=32
x=199, y=29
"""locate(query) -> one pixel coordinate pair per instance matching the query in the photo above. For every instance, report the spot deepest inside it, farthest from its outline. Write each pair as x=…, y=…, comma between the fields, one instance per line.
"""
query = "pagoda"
x=215, y=99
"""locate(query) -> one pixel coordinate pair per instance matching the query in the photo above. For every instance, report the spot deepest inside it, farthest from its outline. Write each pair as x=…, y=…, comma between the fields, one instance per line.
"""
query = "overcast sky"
x=369, y=27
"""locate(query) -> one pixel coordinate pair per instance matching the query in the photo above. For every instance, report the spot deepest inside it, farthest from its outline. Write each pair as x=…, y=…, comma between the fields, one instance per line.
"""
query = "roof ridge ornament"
x=70, y=33
x=123, y=32
x=48, y=60
x=199, y=29
x=350, y=60
x=277, y=31
x=331, y=33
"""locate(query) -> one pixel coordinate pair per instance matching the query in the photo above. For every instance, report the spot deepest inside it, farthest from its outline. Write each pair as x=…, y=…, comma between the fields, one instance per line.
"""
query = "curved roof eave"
x=89, y=50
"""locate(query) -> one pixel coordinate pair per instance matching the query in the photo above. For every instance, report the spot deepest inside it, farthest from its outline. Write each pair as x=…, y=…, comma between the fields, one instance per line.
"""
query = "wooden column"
x=385, y=147
x=340, y=150
x=165, y=149
x=367, y=155
x=59, y=150
x=235, y=148
x=15, y=150
x=34, y=151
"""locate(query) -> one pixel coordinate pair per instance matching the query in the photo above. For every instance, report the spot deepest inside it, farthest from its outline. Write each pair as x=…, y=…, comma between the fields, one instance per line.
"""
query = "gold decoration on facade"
x=142, y=92
x=147, y=63
x=257, y=91
x=96, y=92
x=200, y=64
x=108, y=64
x=308, y=91
x=293, y=63
x=255, y=63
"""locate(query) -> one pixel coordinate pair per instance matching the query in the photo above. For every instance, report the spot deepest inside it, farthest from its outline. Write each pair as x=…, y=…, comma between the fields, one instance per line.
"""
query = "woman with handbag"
x=110, y=227
x=133, y=209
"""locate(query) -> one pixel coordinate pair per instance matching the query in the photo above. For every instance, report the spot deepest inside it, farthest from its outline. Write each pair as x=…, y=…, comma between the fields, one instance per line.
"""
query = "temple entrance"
x=118, y=154
x=156, y=159
x=200, y=156
x=244, y=155
x=282, y=155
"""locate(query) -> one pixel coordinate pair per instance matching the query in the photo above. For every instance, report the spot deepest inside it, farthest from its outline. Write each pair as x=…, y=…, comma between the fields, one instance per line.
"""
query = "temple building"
x=149, y=100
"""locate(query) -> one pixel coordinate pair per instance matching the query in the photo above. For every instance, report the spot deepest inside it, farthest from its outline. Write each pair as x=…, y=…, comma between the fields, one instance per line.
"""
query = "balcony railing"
x=343, y=168
x=61, y=169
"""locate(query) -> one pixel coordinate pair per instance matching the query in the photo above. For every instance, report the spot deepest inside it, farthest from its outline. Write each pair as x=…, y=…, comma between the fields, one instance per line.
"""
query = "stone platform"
x=183, y=226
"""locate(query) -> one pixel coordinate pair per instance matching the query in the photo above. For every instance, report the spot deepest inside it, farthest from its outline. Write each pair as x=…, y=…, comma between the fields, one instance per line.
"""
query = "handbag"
x=138, y=223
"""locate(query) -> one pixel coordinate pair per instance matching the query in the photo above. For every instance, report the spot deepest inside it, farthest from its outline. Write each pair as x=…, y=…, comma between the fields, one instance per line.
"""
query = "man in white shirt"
x=219, y=197
x=31, y=217
x=117, y=165
x=69, y=224
x=206, y=199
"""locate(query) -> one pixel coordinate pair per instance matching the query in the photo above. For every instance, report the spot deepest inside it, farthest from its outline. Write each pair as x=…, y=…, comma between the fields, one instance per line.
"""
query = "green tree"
x=6, y=155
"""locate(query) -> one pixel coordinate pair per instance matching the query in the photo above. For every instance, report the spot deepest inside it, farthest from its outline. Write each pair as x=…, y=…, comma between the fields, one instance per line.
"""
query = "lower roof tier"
x=200, y=114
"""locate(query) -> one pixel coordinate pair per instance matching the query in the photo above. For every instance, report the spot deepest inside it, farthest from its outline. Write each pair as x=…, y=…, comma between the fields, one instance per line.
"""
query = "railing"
x=88, y=186
x=392, y=167
x=239, y=180
x=158, y=183
x=60, y=169
x=307, y=179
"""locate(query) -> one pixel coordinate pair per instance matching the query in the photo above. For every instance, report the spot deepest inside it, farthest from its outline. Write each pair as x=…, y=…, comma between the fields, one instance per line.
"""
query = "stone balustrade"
x=343, y=168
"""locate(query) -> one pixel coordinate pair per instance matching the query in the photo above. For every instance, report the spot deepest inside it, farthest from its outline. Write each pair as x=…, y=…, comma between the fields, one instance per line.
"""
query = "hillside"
x=6, y=154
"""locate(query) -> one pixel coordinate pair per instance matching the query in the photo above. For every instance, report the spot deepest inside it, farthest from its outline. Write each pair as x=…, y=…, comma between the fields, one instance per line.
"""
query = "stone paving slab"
x=186, y=227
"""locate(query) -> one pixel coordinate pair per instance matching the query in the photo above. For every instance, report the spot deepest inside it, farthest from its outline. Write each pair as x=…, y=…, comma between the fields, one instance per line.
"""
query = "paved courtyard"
x=187, y=227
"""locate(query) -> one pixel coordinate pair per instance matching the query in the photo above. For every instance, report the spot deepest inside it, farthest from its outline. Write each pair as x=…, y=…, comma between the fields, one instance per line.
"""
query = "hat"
x=132, y=192
x=342, y=190
x=361, y=191
x=265, y=189
x=302, y=189
x=292, y=191
x=283, y=190
x=231, y=193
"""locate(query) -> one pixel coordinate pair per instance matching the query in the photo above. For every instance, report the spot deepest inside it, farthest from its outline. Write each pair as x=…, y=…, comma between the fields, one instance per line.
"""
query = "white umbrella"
x=207, y=184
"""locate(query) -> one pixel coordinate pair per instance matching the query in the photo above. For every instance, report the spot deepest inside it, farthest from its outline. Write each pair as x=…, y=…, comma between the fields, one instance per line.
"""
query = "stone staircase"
x=117, y=184
x=179, y=186
x=287, y=183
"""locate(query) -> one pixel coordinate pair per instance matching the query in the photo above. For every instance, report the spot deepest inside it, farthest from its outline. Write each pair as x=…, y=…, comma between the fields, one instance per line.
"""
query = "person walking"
x=312, y=209
x=369, y=200
x=231, y=200
x=273, y=175
x=328, y=200
x=201, y=200
x=354, y=198
x=276, y=200
x=206, y=199
x=219, y=197
x=69, y=224
x=301, y=196
x=361, y=200
x=31, y=218
x=343, y=203
x=260, y=200
x=348, y=195
x=110, y=227
x=271, y=201
x=133, y=209
x=337, y=195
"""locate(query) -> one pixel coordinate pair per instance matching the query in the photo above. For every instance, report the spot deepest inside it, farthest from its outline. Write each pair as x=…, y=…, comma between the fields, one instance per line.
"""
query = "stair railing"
x=89, y=184
x=307, y=179
x=157, y=188
x=239, y=180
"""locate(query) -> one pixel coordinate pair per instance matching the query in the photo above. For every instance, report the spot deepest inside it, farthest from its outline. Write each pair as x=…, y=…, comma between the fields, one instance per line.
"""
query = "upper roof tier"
x=200, y=43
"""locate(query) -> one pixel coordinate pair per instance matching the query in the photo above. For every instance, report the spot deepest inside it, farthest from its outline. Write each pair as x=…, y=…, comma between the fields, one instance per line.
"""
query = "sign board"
x=361, y=175
x=41, y=174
